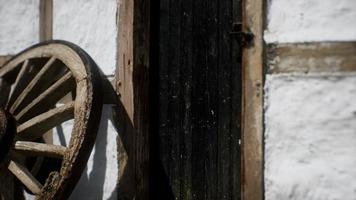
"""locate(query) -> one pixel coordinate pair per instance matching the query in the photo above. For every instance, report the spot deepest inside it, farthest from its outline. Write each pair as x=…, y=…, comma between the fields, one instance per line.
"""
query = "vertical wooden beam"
x=46, y=33
x=252, y=126
x=46, y=20
x=132, y=86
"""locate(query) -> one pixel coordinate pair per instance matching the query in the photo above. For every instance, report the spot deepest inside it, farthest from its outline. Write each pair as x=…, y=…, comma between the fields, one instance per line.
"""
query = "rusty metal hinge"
x=245, y=39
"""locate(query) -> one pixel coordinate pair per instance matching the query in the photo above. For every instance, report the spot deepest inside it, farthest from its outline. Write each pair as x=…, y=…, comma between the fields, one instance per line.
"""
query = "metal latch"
x=243, y=38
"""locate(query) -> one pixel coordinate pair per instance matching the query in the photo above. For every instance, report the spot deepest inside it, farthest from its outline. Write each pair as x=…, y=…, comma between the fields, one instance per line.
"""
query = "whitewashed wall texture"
x=310, y=118
x=19, y=21
x=91, y=24
x=310, y=20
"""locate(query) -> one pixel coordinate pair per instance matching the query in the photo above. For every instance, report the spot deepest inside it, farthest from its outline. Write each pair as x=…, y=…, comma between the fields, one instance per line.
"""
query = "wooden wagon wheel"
x=32, y=87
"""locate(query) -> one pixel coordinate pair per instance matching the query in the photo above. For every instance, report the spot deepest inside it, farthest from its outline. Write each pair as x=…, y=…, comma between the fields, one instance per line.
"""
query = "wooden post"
x=132, y=86
x=252, y=115
x=46, y=20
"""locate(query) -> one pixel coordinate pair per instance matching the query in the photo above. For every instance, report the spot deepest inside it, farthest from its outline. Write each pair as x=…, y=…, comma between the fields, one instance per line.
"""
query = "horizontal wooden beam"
x=311, y=57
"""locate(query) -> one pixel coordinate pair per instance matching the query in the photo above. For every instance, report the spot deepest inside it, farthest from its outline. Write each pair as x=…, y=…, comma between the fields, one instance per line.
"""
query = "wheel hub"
x=7, y=133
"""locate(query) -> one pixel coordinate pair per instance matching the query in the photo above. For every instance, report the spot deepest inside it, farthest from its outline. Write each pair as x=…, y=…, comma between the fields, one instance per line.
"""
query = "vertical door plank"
x=199, y=99
x=186, y=81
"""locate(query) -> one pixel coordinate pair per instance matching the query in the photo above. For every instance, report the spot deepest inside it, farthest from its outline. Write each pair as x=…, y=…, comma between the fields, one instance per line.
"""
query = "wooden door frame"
x=132, y=87
x=252, y=102
x=134, y=22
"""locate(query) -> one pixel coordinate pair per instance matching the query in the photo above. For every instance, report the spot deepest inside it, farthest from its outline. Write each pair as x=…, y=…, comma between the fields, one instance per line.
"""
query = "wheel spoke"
x=41, y=77
x=40, y=149
x=48, y=98
x=37, y=126
x=16, y=88
x=22, y=174
x=31, y=85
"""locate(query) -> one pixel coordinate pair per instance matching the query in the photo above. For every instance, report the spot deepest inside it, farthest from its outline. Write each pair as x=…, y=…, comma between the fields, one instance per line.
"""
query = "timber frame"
x=132, y=77
x=252, y=102
x=46, y=20
x=132, y=87
x=282, y=58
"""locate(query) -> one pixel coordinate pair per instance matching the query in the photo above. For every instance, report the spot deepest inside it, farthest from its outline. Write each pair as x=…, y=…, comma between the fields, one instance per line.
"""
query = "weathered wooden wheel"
x=41, y=88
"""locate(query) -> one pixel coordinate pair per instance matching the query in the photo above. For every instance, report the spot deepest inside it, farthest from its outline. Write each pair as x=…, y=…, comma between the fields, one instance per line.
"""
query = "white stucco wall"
x=19, y=25
x=91, y=24
x=310, y=119
x=99, y=180
x=310, y=137
x=311, y=20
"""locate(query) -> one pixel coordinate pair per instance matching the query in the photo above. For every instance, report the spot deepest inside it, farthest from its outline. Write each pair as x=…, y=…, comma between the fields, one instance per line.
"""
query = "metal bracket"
x=245, y=39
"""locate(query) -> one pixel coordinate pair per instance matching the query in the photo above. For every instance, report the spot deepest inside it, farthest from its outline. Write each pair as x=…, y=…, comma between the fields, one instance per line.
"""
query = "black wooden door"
x=195, y=150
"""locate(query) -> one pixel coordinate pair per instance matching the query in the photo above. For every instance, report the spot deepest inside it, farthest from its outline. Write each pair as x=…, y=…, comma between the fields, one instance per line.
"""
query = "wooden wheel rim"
x=86, y=110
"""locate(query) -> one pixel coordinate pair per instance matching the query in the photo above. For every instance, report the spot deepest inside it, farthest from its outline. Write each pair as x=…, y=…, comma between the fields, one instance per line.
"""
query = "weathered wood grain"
x=132, y=84
x=325, y=57
x=22, y=174
x=31, y=85
x=46, y=20
x=39, y=125
x=125, y=92
x=71, y=70
x=40, y=149
x=47, y=99
x=252, y=107
x=18, y=85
